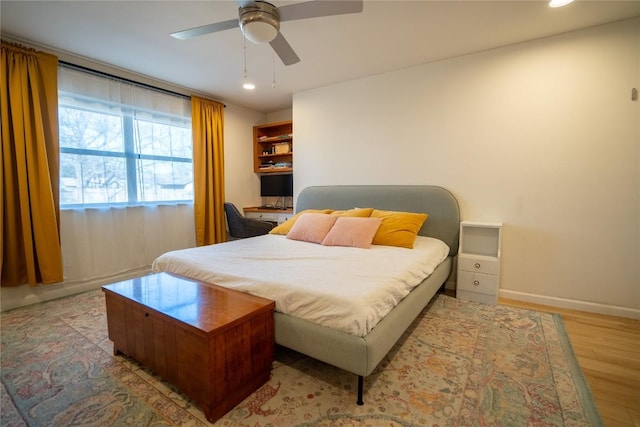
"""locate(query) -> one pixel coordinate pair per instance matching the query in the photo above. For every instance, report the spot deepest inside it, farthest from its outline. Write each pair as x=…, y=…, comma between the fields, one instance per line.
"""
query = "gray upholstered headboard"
x=442, y=207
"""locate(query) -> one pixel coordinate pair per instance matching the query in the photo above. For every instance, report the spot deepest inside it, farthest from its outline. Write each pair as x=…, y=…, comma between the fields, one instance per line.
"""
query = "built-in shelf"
x=273, y=144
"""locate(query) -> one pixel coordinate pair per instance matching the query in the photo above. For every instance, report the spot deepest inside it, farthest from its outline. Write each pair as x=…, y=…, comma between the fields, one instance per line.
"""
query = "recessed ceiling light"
x=559, y=3
x=249, y=86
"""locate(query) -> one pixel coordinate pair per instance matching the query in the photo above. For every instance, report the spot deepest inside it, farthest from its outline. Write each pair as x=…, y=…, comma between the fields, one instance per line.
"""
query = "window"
x=121, y=143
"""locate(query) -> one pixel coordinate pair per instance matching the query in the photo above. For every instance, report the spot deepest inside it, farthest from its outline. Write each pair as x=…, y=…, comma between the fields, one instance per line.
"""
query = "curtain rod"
x=124, y=79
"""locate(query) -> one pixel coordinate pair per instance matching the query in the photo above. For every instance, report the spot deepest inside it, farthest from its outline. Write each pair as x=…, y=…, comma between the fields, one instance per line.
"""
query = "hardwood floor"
x=608, y=350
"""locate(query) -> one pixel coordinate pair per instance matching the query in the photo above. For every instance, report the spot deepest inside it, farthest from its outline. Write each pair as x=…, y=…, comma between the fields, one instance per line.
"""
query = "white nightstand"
x=479, y=261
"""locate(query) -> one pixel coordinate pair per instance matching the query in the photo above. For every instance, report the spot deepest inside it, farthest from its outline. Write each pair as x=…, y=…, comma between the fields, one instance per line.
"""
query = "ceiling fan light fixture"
x=259, y=22
x=259, y=32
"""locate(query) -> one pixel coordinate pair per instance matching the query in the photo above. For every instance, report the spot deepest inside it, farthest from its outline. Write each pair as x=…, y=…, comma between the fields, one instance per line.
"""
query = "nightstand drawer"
x=478, y=282
x=478, y=264
x=476, y=297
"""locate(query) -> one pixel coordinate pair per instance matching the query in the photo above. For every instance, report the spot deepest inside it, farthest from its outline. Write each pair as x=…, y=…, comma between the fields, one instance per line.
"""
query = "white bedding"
x=343, y=288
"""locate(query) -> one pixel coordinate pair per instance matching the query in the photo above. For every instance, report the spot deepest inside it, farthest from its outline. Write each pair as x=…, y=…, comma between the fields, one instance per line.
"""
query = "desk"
x=272, y=215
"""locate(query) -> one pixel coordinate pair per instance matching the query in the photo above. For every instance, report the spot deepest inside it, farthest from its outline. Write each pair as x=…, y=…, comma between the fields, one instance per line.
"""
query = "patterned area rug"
x=459, y=364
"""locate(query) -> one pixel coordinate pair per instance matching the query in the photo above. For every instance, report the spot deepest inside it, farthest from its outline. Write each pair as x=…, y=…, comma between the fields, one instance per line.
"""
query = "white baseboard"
x=591, y=307
x=20, y=296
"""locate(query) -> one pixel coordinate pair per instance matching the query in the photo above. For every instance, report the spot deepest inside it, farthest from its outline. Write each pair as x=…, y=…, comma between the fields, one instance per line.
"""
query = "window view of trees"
x=126, y=156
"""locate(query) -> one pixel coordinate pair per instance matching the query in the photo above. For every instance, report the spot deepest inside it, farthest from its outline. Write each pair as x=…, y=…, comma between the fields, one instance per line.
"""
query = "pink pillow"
x=353, y=231
x=312, y=227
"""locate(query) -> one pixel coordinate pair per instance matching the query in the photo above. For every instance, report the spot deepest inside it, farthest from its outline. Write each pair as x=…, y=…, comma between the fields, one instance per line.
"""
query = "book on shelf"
x=265, y=138
x=283, y=165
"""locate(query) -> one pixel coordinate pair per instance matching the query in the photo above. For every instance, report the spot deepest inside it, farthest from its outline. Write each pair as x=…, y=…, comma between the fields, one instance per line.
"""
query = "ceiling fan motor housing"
x=260, y=22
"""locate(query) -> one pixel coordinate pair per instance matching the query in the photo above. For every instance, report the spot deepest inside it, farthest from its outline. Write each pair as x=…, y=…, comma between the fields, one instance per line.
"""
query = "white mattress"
x=347, y=289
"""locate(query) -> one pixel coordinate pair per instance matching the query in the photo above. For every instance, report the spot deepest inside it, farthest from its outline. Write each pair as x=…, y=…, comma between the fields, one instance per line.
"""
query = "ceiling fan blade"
x=314, y=9
x=284, y=50
x=205, y=29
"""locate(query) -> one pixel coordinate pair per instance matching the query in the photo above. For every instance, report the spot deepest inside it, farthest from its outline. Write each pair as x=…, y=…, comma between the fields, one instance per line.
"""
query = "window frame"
x=127, y=116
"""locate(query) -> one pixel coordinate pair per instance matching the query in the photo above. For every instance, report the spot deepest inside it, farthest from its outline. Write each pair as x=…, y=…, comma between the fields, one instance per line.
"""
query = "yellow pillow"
x=397, y=228
x=285, y=227
x=355, y=212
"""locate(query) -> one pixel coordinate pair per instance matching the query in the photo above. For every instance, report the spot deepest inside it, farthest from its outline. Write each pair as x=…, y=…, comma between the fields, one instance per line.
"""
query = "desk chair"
x=241, y=227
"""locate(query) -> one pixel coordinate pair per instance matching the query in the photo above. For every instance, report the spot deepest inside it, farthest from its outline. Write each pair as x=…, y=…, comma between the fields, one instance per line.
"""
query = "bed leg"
x=360, y=382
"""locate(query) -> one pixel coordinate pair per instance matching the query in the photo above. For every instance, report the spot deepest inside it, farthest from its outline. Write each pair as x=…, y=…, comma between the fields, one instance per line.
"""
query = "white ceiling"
x=387, y=35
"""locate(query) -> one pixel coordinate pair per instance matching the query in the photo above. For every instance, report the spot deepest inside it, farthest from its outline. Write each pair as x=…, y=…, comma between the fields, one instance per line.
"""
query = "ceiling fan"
x=260, y=22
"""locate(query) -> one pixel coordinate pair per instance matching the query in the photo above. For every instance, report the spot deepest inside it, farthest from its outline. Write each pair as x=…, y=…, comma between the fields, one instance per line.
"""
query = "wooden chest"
x=215, y=344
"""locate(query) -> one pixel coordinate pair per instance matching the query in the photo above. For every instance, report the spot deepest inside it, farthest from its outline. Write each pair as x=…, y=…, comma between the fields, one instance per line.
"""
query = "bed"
x=358, y=352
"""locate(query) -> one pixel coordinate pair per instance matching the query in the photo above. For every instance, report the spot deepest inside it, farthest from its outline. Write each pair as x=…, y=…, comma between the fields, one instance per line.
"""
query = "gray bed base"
x=361, y=355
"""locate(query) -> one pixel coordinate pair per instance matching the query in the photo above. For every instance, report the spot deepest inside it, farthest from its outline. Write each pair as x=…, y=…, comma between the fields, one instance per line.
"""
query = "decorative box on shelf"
x=281, y=148
x=479, y=261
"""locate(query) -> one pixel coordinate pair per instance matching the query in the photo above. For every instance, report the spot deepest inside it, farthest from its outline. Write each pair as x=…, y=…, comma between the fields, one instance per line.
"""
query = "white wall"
x=542, y=135
x=280, y=116
x=242, y=186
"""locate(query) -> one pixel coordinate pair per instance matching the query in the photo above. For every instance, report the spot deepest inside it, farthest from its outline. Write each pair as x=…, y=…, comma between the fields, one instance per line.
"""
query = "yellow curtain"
x=30, y=234
x=207, y=122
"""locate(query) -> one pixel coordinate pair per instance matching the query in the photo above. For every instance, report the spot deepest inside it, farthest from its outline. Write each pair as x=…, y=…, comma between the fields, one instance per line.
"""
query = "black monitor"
x=276, y=185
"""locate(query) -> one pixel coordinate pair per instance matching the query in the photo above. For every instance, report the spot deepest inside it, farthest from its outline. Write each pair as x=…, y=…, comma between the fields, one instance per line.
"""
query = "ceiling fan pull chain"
x=244, y=39
x=246, y=83
x=273, y=61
